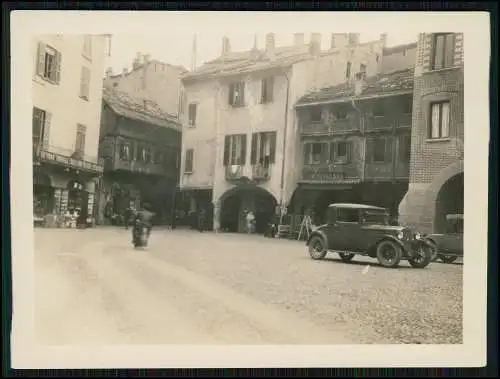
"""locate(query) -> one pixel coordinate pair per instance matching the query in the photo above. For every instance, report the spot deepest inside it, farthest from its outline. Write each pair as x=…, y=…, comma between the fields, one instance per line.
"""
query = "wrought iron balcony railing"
x=67, y=157
x=234, y=172
x=330, y=173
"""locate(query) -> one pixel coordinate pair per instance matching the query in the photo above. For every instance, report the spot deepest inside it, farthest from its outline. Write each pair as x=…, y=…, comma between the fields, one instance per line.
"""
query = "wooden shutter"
x=46, y=128
x=242, y=94
x=227, y=145
x=41, y=59
x=253, y=151
x=332, y=146
x=449, y=52
x=369, y=151
x=389, y=141
x=57, y=67
x=349, y=147
x=243, y=148
x=189, y=160
x=438, y=48
x=270, y=88
x=307, y=152
x=231, y=94
x=272, y=143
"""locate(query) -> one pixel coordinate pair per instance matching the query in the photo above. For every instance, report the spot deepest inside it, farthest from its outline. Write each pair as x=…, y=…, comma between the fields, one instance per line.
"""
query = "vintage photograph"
x=257, y=188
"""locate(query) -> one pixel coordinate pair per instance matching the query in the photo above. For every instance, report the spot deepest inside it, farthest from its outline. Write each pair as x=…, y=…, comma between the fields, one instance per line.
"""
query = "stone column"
x=216, y=217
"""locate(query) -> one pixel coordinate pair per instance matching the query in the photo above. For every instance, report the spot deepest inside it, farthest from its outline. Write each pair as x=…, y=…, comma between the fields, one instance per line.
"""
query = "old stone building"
x=240, y=145
x=437, y=153
x=67, y=92
x=150, y=79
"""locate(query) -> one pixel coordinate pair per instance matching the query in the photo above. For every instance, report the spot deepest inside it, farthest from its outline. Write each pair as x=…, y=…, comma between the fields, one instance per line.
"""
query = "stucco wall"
x=62, y=100
x=400, y=60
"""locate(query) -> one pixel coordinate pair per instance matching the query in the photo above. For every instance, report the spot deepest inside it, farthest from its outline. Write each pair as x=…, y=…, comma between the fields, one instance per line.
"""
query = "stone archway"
x=449, y=200
x=234, y=202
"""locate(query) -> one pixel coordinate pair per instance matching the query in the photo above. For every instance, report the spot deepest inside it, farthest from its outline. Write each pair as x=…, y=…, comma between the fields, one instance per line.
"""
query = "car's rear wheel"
x=447, y=258
x=389, y=253
x=317, y=248
x=422, y=256
x=346, y=257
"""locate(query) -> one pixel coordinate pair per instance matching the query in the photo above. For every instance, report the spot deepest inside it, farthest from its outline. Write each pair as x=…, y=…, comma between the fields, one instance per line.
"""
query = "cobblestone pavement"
x=190, y=287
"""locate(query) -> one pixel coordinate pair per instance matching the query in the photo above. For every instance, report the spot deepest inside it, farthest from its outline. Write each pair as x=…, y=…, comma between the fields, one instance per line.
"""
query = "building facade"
x=67, y=93
x=355, y=142
x=437, y=153
x=150, y=79
x=240, y=145
x=140, y=147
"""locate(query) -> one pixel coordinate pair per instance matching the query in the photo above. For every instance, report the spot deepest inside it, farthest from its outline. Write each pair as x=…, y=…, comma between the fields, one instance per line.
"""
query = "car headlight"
x=418, y=236
x=400, y=235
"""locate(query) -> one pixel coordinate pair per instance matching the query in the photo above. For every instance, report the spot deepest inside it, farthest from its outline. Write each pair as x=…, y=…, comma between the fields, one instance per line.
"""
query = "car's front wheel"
x=447, y=258
x=422, y=256
x=346, y=257
x=317, y=248
x=389, y=253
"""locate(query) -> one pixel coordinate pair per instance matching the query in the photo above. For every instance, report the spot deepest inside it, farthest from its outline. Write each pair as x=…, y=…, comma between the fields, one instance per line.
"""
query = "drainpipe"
x=282, y=182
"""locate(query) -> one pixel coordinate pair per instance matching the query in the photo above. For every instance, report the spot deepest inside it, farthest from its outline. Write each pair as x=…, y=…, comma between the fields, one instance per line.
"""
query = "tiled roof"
x=380, y=84
x=247, y=61
x=138, y=109
x=182, y=69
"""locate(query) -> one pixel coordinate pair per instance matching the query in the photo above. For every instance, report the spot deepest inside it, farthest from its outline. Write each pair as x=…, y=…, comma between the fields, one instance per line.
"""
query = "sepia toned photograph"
x=256, y=187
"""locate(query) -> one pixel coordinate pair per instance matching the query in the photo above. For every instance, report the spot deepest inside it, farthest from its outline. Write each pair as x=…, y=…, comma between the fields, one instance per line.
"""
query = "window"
x=362, y=70
x=444, y=51
x=81, y=132
x=192, y=114
x=189, y=163
x=341, y=113
x=316, y=114
x=340, y=152
x=49, y=63
x=379, y=109
x=315, y=153
x=235, y=149
x=87, y=46
x=440, y=120
x=405, y=148
x=347, y=215
x=143, y=154
x=237, y=94
x=39, y=117
x=267, y=90
x=263, y=148
x=407, y=105
x=348, y=70
x=380, y=150
x=85, y=83
x=159, y=157
x=124, y=151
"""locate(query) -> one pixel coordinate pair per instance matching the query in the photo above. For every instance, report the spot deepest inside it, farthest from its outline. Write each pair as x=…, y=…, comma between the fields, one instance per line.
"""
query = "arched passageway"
x=43, y=193
x=237, y=201
x=449, y=201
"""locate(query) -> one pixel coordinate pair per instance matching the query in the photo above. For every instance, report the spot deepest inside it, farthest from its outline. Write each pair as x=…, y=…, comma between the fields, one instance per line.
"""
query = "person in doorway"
x=201, y=220
x=82, y=218
x=250, y=219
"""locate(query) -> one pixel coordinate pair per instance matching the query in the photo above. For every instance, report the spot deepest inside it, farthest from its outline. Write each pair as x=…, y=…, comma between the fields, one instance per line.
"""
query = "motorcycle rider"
x=143, y=218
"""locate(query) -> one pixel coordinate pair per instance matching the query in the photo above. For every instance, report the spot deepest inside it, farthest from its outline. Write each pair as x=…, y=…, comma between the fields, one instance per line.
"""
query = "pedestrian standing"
x=250, y=218
x=201, y=220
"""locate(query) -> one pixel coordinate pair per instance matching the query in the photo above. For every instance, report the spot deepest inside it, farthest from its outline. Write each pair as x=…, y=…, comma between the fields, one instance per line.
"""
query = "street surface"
x=93, y=287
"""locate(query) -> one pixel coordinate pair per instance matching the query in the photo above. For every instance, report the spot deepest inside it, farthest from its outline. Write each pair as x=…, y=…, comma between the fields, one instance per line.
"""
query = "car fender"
x=317, y=233
x=390, y=238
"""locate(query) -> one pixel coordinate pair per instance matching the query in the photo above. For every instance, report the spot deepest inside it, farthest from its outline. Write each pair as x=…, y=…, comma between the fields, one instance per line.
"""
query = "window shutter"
x=57, y=67
x=41, y=59
x=253, y=152
x=270, y=88
x=307, y=153
x=227, y=142
x=389, y=141
x=449, y=54
x=332, y=151
x=272, y=142
x=263, y=91
x=46, y=128
x=243, y=148
x=231, y=94
x=439, y=42
x=242, y=94
x=369, y=151
x=349, y=147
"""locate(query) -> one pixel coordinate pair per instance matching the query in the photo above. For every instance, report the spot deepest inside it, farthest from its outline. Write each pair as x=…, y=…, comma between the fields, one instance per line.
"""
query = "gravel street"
x=92, y=287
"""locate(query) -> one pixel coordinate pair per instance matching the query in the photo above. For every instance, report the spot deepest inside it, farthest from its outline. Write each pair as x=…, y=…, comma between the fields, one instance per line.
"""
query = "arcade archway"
x=235, y=202
x=449, y=200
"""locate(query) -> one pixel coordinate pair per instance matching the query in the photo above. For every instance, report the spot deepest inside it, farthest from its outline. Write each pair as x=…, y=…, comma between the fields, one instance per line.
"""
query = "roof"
x=182, y=69
x=382, y=84
x=358, y=206
x=138, y=109
x=399, y=48
x=247, y=61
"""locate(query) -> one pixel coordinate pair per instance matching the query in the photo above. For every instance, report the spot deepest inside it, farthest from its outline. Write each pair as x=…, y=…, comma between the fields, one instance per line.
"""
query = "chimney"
x=353, y=39
x=315, y=44
x=147, y=58
x=270, y=45
x=109, y=72
x=226, y=46
x=254, y=53
x=383, y=39
x=137, y=61
x=298, y=39
x=338, y=40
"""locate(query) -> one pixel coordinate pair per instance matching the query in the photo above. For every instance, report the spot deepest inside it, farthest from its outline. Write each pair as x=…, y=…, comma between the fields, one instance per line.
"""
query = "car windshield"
x=375, y=217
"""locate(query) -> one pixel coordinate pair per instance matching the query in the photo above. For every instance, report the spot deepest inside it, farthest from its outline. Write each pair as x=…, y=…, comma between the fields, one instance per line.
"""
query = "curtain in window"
x=435, y=120
x=445, y=120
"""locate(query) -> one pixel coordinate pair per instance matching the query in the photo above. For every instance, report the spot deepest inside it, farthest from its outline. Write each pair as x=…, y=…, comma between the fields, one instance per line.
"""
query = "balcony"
x=261, y=172
x=349, y=125
x=68, y=158
x=136, y=166
x=234, y=172
x=341, y=173
x=387, y=171
x=388, y=123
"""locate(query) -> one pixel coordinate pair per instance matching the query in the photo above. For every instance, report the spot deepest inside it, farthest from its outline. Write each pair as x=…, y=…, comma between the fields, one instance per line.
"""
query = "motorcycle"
x=140, y=235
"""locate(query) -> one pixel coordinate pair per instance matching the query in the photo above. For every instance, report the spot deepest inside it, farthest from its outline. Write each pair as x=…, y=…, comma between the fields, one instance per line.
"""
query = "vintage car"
x=449, y=246
x=364, y=230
